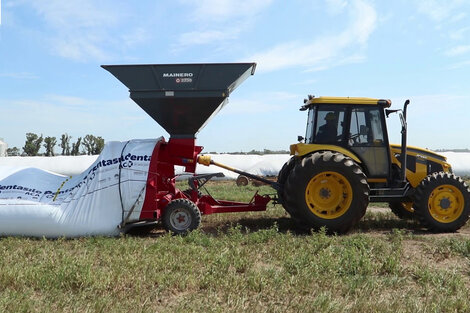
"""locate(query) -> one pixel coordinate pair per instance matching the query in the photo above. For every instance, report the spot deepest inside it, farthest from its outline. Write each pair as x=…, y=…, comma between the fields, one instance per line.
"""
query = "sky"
x=51, y=81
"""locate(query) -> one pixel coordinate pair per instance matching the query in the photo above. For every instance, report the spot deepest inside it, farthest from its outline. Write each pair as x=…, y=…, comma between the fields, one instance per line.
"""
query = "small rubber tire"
x=242, y=180
x=188, y=193
x=403, y=210
x=328, y=189
x=442, y=202
x=181, y=216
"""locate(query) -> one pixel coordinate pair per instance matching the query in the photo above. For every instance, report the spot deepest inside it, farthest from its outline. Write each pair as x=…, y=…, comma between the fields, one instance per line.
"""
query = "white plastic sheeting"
x=65, y=165
x=265, y=165
x=460, y=162
x=35, y=202
x=3, y=148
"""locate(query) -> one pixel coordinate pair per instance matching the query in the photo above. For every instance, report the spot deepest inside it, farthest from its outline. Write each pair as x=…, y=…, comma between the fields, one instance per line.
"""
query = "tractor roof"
x=345, y=101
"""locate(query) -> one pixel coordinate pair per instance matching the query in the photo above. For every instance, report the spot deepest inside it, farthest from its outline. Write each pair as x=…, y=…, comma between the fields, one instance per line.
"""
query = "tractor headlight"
x=447, y=167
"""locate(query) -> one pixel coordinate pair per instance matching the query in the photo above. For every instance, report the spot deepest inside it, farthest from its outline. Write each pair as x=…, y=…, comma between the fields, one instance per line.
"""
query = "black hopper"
x=182, y=98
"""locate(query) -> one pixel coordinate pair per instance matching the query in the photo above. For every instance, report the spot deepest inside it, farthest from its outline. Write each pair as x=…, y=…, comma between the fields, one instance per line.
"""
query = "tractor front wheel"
x=327, y=189
x=181, y=216
x=442, y=202
x=403, y=210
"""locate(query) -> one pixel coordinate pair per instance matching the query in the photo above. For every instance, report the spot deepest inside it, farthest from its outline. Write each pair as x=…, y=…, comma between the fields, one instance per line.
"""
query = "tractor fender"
x=302, y=149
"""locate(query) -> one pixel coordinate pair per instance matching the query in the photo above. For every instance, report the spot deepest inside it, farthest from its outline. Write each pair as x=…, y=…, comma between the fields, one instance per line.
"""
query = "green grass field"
x=254, y=262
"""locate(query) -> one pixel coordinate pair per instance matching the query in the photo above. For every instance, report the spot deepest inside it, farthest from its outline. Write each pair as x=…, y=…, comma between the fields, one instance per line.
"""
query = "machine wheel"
x=242, y=180
x=403, y=210
x=281, y=179
x=328, y=189
x=181, y=216
x=442, y=202
x=188, y=193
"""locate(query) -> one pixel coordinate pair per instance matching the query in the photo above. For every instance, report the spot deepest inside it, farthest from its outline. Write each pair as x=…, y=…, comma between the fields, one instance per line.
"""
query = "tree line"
x=258, y=152
x=90, y=145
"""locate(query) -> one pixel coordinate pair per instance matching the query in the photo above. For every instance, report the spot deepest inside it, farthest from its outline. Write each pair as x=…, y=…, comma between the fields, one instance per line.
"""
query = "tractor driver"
x=328, y=131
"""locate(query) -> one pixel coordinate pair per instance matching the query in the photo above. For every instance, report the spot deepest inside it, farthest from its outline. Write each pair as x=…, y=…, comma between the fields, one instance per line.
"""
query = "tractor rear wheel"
x=281, y=179
x=327, y=189
x=181, y=216
x=403, y=210
x=442, y=202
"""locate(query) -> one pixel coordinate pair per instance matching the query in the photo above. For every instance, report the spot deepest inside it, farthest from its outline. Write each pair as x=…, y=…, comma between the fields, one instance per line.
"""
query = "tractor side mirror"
x=300, y=138
x=388, y=112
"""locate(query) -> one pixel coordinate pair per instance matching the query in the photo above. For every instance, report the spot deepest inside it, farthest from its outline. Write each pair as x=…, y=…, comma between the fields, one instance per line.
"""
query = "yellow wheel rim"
x=446, y=203
x=328, y=195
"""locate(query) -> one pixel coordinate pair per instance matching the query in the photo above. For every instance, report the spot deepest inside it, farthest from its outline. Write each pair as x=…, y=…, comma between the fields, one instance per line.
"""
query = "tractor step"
x=391, y=194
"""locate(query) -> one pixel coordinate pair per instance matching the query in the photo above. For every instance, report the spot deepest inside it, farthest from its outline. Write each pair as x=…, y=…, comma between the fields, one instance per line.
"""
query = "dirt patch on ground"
x=387, y=217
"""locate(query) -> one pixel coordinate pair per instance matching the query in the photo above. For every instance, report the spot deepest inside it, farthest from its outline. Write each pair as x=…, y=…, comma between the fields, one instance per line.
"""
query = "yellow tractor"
x=346, y=161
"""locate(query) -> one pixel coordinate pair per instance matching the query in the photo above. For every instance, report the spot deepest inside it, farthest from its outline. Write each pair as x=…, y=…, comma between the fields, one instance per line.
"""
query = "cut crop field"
x=255, y=262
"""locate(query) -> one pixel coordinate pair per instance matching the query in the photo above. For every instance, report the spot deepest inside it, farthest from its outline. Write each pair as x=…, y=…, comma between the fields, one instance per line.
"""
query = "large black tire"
x=181, y=216
x=327, y=189
x=281, y=179
x=442, y=202
x=403, y=210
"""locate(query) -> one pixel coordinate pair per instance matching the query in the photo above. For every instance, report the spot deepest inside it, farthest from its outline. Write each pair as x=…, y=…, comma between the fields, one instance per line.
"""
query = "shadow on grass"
x=250, y=225
x=386, y=223
x=383, y=223
x=216, y=228
x=151, y=230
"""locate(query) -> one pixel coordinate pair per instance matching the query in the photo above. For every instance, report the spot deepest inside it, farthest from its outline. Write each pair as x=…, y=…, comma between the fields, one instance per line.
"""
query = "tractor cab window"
x=366, y=128
x=310, y=125
x=329, y=125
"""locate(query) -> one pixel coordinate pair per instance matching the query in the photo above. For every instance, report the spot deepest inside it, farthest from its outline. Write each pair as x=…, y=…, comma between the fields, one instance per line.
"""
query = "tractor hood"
x=423, y=153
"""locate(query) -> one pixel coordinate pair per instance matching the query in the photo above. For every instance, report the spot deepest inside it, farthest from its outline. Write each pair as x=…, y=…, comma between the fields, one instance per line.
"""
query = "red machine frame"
x=161, y=182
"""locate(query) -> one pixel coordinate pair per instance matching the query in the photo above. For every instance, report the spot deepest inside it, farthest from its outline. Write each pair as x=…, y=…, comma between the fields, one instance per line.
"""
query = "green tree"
x=99, y=145
x=76, y=147
x=65, y=144
x=93, y=145
x=49, y=144
x=32, y=144
x=89, y=143
x=13, y=151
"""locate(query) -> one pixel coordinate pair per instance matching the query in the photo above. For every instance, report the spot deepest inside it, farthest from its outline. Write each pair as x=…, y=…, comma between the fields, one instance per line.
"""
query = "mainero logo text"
x=171, y=75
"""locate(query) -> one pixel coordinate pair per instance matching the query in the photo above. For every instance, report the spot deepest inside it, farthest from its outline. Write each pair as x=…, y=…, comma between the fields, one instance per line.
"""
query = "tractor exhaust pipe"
x=403, y=141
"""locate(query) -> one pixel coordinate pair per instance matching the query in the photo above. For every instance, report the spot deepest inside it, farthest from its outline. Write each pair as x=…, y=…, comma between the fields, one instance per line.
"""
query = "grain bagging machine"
x=344, y=162
x=182, y=98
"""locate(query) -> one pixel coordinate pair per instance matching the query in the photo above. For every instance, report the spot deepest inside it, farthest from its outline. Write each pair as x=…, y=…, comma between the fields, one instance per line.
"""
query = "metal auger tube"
x=206, y=160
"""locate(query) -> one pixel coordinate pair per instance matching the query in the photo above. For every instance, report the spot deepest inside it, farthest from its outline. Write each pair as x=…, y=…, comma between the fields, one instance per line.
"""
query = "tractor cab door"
x=367, y=138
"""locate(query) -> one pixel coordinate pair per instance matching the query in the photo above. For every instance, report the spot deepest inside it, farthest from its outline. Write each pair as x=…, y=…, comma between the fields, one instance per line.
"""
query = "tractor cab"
x=356, y=125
